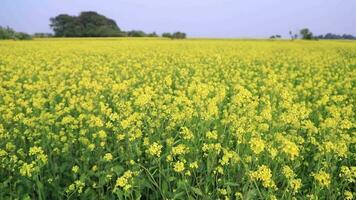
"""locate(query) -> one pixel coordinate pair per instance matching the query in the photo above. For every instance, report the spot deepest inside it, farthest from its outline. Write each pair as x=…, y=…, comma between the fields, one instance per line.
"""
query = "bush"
x=22, y=36
x=43, y=35
x=9, y=34
x=176, y=35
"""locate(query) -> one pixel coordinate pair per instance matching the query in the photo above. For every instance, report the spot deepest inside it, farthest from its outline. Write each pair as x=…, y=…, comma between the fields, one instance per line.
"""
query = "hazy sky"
x=198, y=18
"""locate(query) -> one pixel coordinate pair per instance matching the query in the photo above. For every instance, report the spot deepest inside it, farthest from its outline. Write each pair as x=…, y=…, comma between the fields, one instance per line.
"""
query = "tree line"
x=7, y=33
x=306, y=34
x=92, y=24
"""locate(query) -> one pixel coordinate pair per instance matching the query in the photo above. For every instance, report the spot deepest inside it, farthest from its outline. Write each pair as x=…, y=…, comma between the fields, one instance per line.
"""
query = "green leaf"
x=231, y=184
x=179, y=195
x=197, y=191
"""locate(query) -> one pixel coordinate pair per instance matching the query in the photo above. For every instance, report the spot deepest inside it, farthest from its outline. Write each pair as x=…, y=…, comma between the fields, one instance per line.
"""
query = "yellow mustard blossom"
x=287, y=172
x=213, y=135
x=263, y=174
x=348, y=173
x=348, y=195
x=27, y=169
x=155, y=149
x=295, y=184
x=180, y=149
x=179, y=166
x=194, y=165
x=322, y=178
x=257, y=145
x=186, y=133
x=108, y=157
x=75, y=169
x=124, y=180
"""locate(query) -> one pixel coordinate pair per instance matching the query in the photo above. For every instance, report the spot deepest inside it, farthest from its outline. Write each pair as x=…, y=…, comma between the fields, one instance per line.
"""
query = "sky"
x=198, y=18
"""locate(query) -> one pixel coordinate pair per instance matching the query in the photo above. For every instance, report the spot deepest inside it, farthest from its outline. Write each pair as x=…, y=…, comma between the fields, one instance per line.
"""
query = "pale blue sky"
x=198, y=18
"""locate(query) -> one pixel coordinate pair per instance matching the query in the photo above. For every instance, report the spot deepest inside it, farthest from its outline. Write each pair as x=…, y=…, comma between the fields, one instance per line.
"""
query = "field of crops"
x=167, y=119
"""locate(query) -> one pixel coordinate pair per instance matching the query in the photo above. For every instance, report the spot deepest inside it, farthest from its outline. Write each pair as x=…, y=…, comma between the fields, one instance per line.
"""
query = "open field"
x=169, y=119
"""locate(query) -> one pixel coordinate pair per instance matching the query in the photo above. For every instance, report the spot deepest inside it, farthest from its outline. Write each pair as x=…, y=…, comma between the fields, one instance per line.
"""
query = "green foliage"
x=275, y=37
x=179, y=35
x=43, y=35
x=306, y=34
x=175, y=35
x=332, y=36
x=92, y=24
x=167, y=35
x=9, y=34
x=87, y=24
x=153, y=34
x=136, y=33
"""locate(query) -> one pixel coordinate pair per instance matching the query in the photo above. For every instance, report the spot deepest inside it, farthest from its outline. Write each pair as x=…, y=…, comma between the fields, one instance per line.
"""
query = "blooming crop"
x=168, y=119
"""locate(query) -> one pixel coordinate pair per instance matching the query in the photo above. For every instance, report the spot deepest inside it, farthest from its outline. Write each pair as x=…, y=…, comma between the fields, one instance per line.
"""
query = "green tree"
x=179, y=35
x=65, y=25
x=136, y=33
x=167, y=35
x=175, y=35
x=306, y=34
x=8, y=33
x=96, y=25
x=87, y=24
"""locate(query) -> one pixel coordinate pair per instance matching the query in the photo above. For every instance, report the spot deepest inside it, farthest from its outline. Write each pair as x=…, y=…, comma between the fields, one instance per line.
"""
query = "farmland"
x=171, y=119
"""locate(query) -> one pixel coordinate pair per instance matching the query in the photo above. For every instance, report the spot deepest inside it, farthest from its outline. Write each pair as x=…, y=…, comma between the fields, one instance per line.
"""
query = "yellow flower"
x=155, y=149
x=348, y=195
x=123, y=181
x=263, y=174
x=75, y=169
x=287, y=172
x=238, y=195
x=257, y=145
x=186, y=133
x=295, y=184
x=102, y=135
x=348, y=174
x=179, y=166
x=108, y=157
x=194, y=165
x=180, y=149
x=213, y=135
x=79, y=186
x=322, y=178
x=27, y=169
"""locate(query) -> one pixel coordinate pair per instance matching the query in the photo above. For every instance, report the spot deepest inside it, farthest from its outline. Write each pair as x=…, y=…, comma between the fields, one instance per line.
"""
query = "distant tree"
x=42, y=35
x=96, y=25
x=331, y=36
x=175, y=35
x=167, y=35
x=179, y=35
x=348, y=37
x=319, y=37
x=153, y=34
x=87, y=24
x=306, y=34
x=293, y=36
x=136, y=33
x=275, y=36
x=6, y=33
x=22, y=36
x=65, y=25
x=9, y=33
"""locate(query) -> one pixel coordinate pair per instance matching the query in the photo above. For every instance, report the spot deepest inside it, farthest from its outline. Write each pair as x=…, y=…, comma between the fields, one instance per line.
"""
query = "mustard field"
x=177, y=119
